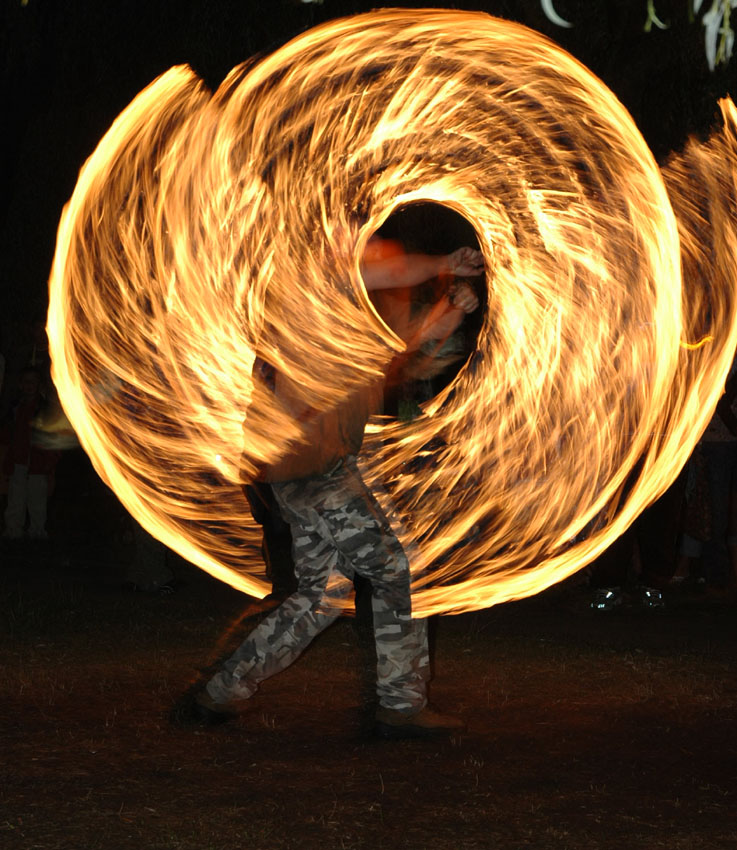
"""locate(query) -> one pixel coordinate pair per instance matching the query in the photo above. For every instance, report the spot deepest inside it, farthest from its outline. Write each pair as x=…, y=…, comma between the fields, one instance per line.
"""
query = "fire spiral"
x=207, y=231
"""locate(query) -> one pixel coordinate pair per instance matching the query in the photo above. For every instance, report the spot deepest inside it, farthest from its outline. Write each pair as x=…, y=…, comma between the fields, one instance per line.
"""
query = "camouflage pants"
x=338, y=529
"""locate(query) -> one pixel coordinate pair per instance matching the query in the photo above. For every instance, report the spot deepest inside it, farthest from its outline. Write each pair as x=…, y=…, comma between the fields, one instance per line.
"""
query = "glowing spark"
x=207, y=235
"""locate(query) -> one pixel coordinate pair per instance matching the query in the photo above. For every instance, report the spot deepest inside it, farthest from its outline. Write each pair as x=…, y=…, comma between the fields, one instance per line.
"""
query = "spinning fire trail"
x=209, y=230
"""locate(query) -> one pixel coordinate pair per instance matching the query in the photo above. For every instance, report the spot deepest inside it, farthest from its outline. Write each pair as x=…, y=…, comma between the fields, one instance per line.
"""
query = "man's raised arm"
x=414, y=269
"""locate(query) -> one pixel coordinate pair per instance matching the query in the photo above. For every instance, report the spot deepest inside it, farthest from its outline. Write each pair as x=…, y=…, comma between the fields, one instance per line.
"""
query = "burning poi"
x=208, y=230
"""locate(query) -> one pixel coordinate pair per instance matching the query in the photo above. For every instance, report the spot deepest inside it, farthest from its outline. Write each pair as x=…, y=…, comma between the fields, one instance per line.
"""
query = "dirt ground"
x=585, y=730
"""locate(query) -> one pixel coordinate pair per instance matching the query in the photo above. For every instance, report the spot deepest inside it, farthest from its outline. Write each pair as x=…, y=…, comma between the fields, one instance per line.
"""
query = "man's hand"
x=465, y=262
x=462, y=296
x=447, y=314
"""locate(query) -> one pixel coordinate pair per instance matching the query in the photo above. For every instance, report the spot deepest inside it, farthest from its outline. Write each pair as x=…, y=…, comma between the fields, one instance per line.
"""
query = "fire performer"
x=339, y=530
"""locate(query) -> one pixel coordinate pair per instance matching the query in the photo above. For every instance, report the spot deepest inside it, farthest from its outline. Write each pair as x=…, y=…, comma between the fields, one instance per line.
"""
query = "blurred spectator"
x=28, y=468
x=148, y=571
x=39, y=356
x=25, y=344
x=696, y=526
x=714, y=541
x=643, y=559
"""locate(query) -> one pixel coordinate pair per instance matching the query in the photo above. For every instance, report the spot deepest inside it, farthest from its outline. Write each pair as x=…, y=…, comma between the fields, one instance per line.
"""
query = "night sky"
x=70, y=67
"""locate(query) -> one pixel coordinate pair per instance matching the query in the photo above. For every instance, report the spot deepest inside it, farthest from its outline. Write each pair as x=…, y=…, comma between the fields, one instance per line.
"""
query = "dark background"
x=586, y=731
x=68, y=68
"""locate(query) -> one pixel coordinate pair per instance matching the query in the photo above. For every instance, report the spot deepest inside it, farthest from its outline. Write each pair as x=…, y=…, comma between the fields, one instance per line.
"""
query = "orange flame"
x=205, y=232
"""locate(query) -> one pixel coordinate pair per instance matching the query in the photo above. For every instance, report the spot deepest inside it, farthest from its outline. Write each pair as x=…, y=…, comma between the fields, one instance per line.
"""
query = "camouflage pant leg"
x=403, y=660
x=345, y=512
x=283, y=635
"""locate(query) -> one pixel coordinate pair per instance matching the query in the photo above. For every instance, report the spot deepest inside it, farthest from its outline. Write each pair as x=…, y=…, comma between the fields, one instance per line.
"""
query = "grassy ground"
x=586, y=730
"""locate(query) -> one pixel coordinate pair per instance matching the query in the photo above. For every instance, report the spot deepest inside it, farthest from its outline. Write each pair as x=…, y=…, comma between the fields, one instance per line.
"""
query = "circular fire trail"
x=207, y=231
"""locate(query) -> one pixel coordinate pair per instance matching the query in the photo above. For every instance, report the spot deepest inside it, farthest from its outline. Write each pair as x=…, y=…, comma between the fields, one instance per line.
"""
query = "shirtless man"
x=339, y=530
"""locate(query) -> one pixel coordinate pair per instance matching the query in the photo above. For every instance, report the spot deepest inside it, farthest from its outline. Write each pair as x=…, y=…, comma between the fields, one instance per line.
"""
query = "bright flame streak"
x=206, y=232
x=692, y=346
